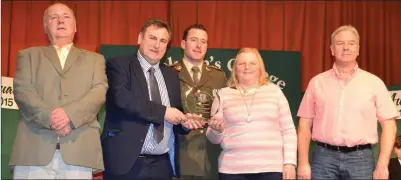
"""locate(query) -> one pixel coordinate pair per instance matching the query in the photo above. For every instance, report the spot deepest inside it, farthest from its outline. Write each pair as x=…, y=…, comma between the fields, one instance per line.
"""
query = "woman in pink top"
x=252, y=122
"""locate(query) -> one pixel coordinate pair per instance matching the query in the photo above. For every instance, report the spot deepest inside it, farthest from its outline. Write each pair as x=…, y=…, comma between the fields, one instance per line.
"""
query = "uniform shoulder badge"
x=177, y=67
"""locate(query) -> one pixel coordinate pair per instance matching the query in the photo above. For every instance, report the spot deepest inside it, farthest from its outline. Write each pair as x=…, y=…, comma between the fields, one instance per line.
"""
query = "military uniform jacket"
x=197, y=155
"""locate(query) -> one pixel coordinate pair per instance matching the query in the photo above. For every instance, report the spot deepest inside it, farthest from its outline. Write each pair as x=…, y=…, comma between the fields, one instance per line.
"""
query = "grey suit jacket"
x=40, y=85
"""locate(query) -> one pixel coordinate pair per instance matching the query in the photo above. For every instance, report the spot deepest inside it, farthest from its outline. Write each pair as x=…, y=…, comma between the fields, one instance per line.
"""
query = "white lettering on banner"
x=277, y=81
x=230, y=64
x=7, y=93
x=170, y=61
x=272, y=78
x=396, y=97
x=210, y=62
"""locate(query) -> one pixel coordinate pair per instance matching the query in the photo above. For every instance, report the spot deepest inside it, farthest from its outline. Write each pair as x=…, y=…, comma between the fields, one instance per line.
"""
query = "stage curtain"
x=304, y=26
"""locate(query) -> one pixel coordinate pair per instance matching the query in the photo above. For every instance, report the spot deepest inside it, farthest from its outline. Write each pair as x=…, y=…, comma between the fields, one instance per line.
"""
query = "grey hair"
x=350, y=28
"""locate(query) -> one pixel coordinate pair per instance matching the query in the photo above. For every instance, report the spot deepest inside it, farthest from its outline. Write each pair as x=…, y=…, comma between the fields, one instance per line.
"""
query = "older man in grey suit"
x=59, y=90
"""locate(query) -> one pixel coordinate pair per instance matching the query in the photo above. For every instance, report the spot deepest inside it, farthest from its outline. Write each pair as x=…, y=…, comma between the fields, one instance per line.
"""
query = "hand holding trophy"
x=216, y=123
x=198, y=103
x=194, y=121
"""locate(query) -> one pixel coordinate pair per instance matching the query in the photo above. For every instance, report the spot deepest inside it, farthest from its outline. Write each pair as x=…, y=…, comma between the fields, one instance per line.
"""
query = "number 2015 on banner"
x=7, y=102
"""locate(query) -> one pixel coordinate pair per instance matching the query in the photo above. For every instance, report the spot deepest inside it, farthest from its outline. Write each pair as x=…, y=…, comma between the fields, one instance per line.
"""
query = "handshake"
x=191, y=121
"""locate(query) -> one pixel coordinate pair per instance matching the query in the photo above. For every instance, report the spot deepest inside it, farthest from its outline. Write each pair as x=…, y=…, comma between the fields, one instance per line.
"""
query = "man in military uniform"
x=199, y=83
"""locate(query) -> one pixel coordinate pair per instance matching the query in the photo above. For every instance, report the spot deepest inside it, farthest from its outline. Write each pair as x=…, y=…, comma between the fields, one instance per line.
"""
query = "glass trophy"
x=198, y=102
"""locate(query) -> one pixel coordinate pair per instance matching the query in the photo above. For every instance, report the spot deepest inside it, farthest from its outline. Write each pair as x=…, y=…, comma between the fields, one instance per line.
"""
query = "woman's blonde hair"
x=233, y=81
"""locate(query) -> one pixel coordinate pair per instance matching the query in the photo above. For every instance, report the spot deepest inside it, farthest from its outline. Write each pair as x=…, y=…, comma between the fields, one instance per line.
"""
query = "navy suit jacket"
x=129, y=113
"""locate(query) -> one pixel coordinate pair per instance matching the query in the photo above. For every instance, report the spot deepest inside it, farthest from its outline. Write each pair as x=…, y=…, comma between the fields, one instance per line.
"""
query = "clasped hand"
x=59, y=122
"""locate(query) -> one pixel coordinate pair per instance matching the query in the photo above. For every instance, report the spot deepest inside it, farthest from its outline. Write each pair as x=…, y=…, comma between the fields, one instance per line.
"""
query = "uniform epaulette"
x=213, y=67
x=177, y=67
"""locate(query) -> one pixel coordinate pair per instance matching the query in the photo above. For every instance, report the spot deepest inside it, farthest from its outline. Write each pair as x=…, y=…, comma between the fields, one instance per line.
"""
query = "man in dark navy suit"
x=143, y=111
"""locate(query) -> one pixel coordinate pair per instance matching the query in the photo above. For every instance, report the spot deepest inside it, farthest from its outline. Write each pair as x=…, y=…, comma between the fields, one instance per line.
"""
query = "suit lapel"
x=73, y=55
x=185, y=76
x=205, y=75
x=51, y=54
x=136, y=67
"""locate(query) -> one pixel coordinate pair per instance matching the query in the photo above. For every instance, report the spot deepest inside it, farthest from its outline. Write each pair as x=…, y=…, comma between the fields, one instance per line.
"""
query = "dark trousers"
x=146, y=168
x=255, y=176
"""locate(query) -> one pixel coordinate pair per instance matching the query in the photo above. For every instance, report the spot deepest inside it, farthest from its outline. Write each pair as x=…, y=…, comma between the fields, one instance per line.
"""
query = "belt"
x=344, y=149
x=152, y=155
x=58, y=146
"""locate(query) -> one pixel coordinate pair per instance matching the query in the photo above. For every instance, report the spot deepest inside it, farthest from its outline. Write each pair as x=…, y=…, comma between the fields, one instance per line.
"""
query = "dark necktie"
x=155, y=94
x=195, y=69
